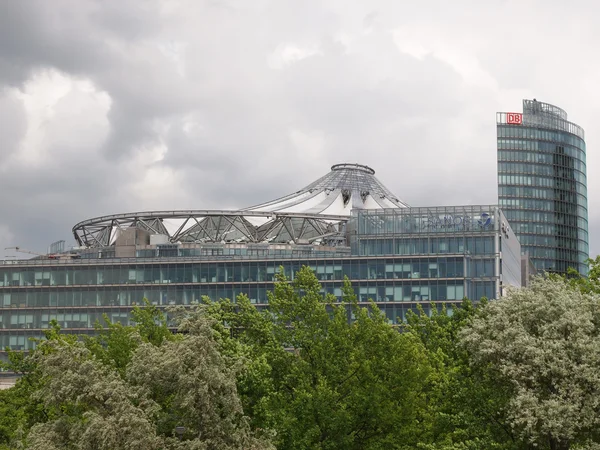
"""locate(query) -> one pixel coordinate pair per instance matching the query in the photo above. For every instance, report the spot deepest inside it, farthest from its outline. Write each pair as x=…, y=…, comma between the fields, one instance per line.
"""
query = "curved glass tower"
x=542, y=185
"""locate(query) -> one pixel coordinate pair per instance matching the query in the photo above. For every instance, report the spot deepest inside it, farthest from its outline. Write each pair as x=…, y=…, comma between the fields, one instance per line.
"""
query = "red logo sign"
x=514, y=118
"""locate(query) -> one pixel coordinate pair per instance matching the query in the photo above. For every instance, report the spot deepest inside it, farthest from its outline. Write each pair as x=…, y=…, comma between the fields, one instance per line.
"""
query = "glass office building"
x=398, y=256
x=542, y=185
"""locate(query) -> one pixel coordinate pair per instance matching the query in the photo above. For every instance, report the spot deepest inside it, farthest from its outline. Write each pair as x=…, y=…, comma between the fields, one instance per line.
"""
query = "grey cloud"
x=198, y=117
x=13, y=124
x=38, y=34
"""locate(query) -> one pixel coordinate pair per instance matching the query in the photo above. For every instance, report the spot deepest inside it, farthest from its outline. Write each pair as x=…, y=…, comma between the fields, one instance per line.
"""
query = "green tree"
x=13, y=404
x=464, y=406
x=543, y=343
x=589, y=284
x=114, y=343
x=319, y=380
x=26, y=408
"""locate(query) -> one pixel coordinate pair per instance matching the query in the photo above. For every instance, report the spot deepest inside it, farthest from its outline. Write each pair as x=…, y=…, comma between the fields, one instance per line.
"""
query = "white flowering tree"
x=543, y=342
x=136, y=388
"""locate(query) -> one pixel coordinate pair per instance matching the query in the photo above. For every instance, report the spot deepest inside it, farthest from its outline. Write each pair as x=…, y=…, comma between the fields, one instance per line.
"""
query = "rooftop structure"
x=346, y=187
x=317, y=213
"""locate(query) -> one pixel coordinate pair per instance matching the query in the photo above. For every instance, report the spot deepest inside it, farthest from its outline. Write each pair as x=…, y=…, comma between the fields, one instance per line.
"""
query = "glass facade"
x=397, y=258
x=542, y=185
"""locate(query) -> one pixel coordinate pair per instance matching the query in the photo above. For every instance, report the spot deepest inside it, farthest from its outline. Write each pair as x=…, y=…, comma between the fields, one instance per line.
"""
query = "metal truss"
x=197, y=226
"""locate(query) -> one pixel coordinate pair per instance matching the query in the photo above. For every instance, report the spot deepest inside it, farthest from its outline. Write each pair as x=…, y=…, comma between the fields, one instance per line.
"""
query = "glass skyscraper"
x=542, y=185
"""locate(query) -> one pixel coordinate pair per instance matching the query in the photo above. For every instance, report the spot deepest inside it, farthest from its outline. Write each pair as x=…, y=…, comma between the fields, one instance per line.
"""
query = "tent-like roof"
x=346, y=187
x=315, y=214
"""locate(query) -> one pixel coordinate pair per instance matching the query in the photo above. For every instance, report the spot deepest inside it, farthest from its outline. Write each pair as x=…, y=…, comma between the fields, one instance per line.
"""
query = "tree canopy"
x=311, y=372
x=543, y=342
x=138, y=387
x=589, y=284
x=323, y=381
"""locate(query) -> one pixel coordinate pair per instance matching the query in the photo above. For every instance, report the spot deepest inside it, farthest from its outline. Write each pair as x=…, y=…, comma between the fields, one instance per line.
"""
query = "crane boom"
x=49, y=256
x=22, y=250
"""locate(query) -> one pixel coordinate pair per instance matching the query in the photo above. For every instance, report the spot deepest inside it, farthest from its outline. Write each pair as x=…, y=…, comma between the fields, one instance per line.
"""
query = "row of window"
x=395, y=224
x=561, y=266
x=546, y=147
x=542, y=193
x=551, y=229
x=236, y=272
x=523, y=132
x=563, y=249
x=554, y=172
x=542, y=205
x=522, y=215
x=429, y=245
x=380, y=291
x=18, y=318
x=552, y=241
x=553, y=253
x=394, y=301
x=544, y=182
x=20, y=338
x=172, y=251
x=543, y=158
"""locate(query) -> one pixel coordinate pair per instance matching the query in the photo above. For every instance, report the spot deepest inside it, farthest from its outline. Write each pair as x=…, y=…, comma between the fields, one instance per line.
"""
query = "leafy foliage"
x=311, y=373
x=319, y=380
x=589, y=284
x=13, y=413
x=89, y=406
x=543, y=342
x=115, y=343
x=464, y=406
x=130, y=387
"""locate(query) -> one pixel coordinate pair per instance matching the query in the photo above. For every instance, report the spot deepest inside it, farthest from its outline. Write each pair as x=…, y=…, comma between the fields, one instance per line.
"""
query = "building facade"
x=542, y=185
x=397, y=256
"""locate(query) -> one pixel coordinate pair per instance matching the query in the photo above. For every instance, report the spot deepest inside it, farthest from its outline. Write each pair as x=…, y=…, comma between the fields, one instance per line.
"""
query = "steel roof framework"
x=203, y=226
x=316, y=213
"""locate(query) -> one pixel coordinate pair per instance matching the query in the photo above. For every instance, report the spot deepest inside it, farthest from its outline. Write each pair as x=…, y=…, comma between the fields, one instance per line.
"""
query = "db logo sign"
x=514, y=118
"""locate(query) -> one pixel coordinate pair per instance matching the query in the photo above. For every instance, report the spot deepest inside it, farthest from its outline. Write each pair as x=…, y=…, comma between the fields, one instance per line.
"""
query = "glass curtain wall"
x=542, y=185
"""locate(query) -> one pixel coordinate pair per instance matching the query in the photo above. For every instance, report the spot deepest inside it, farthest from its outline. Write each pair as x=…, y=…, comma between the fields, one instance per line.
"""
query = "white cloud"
x=64, y=114
x=287, y=54
x=310, y=146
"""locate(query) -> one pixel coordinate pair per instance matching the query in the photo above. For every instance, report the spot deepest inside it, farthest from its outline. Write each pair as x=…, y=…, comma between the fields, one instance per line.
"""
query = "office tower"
x=542, y=185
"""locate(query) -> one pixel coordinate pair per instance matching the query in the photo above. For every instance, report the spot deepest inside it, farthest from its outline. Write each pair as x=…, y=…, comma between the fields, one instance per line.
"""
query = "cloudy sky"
x=117, y=106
